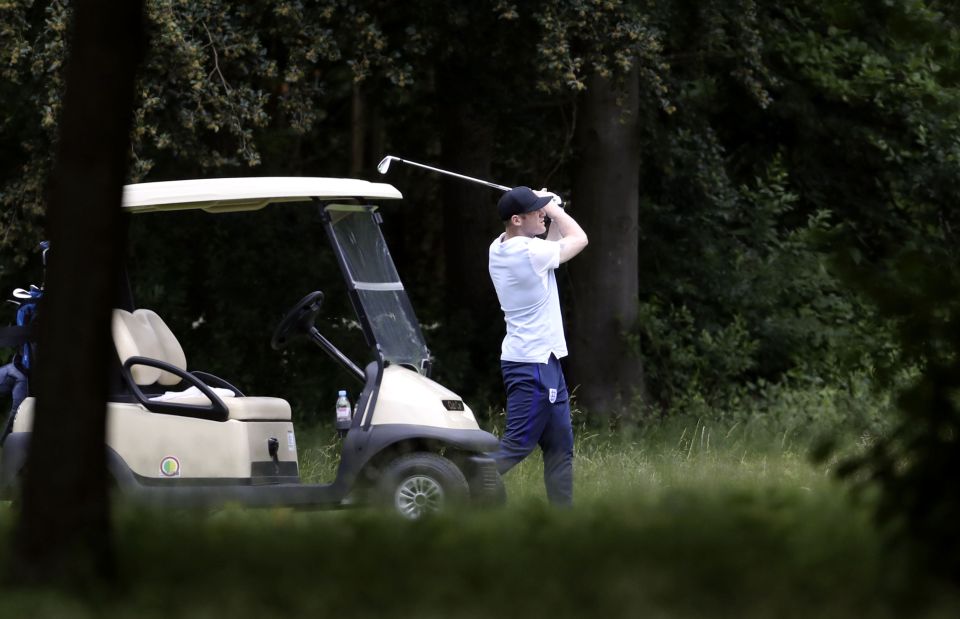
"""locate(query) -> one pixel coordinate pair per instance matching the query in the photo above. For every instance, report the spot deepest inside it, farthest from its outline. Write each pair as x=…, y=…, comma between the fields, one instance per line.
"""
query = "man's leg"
x=526, y=399
x=557, y=439
x=557, y=446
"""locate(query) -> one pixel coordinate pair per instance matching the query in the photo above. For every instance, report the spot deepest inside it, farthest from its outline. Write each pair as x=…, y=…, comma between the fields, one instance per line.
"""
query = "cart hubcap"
x=418, y=495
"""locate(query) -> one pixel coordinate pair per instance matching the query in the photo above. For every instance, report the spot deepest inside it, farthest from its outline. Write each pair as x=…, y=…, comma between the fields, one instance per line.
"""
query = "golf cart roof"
x=219, y=195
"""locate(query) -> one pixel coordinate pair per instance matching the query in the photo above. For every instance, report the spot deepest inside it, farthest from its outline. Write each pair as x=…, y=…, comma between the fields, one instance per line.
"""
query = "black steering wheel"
x=299, y=320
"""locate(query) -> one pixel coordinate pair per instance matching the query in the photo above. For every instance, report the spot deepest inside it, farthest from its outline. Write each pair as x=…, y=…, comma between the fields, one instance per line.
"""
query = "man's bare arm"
x=566, y=231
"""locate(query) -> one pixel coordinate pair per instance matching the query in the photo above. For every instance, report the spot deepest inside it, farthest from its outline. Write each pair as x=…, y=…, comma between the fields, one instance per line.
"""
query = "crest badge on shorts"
x=552, y=395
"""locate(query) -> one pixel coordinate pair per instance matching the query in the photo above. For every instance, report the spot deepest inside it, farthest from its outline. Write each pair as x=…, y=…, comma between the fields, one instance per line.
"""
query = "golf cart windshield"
x=384, y=307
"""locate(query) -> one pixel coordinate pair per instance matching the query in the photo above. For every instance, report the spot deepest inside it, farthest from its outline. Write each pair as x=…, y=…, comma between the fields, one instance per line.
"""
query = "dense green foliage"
x=913, y=464
x=843, y=139
x=748, y=112
x=797, y=227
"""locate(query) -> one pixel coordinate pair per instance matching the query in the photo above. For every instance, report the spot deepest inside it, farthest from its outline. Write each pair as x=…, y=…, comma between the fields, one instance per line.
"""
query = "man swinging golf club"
x=522, y=268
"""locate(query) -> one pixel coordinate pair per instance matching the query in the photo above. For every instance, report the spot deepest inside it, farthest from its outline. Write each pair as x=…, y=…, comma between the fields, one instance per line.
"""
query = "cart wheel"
x=418, y=484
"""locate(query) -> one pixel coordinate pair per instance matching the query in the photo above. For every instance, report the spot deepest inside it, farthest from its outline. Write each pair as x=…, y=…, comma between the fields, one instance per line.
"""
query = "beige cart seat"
x=143, y=333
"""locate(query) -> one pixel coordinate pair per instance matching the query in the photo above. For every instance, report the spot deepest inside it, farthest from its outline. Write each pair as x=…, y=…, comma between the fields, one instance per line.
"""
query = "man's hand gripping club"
x=563, y=228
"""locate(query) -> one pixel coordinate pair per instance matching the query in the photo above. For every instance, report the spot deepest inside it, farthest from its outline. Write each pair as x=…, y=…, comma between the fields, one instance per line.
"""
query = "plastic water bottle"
x=343, y=411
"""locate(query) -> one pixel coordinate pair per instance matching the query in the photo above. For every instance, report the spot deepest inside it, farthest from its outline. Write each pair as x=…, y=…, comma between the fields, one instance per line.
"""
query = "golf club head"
x=384, y=164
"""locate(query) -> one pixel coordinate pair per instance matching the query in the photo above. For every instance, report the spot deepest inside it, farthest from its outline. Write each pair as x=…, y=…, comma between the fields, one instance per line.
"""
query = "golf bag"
x=15, y=375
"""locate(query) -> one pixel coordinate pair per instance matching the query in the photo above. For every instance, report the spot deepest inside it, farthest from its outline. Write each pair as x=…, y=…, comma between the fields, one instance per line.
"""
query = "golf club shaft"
x=454, y=174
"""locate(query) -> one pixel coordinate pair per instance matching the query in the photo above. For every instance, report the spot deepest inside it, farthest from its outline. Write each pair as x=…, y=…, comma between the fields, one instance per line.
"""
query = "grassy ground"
x=680, y=521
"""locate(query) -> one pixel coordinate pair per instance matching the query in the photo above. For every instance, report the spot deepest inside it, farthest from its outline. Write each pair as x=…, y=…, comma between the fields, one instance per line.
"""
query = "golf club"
x=384, y=165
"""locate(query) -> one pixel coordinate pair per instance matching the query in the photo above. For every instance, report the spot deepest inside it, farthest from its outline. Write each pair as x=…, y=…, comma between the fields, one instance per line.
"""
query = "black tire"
x=421, y=483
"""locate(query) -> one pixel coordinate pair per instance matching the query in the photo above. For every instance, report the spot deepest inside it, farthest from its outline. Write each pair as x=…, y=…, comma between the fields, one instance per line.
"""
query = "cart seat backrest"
x=144, y=334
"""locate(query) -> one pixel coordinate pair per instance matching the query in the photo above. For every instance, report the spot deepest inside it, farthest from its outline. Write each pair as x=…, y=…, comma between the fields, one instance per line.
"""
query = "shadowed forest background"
x=769, y=190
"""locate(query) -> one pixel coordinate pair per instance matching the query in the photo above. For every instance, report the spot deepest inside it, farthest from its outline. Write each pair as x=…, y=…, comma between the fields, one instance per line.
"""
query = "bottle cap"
x=342, y=392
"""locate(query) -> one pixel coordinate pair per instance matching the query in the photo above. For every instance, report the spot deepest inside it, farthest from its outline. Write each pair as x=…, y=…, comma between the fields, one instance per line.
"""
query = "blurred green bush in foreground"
x=680, y=520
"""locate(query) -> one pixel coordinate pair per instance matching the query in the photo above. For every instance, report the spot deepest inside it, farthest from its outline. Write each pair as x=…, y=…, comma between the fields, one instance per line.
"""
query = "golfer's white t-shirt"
x=522, y=270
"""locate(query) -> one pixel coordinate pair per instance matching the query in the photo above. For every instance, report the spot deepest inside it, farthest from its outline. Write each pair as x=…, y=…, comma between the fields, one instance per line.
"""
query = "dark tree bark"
x=63, y=534
x=604, y=277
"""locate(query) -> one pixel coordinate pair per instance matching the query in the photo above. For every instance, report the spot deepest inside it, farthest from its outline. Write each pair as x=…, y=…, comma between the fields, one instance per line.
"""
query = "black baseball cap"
x=520, y=200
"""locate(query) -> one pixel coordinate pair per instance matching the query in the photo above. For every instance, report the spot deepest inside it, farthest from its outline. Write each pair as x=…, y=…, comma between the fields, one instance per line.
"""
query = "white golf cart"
x=179, y=436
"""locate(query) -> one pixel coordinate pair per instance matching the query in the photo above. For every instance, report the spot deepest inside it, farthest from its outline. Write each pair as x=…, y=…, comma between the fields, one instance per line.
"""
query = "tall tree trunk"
x=63, y=534
x=604, y=277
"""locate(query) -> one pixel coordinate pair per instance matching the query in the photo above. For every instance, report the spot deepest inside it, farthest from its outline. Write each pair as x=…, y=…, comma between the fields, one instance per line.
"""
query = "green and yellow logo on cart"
x=170, y=467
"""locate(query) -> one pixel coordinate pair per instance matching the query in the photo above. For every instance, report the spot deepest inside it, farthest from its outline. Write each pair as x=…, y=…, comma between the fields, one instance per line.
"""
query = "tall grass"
x=763, y=438
x=679, y=454
x=691, y=454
